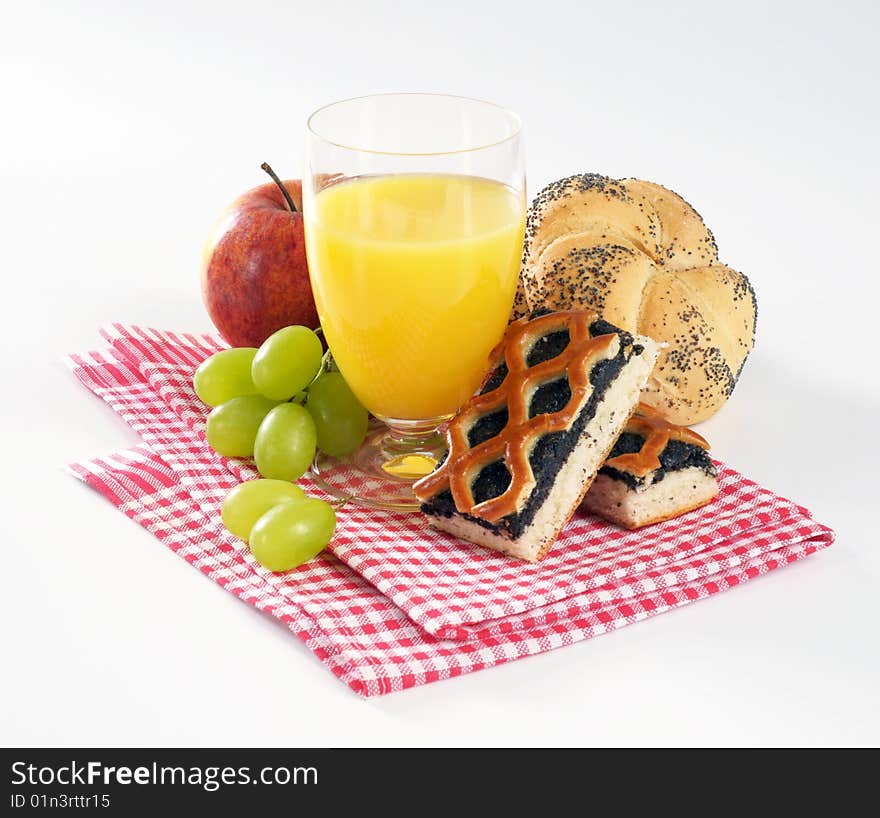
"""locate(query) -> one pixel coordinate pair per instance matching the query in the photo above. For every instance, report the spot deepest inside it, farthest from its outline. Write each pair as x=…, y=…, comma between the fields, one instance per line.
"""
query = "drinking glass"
x=414, y=209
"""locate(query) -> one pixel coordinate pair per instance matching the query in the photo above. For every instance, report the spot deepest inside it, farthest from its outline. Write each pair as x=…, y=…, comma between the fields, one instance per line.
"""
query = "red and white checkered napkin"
x=398, y=604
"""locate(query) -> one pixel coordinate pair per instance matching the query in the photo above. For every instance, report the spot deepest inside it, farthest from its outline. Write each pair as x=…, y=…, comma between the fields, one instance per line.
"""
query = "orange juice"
x=414, y=277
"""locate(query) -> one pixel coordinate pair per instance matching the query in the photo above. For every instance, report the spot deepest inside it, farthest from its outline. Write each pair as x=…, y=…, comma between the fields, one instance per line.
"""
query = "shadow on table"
x=812, y=442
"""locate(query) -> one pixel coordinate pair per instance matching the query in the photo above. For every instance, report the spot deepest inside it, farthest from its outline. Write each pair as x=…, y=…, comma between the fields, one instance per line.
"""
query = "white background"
x=127, y=127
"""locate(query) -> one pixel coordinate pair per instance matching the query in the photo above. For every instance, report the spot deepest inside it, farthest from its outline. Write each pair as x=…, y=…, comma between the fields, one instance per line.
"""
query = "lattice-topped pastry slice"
x=525, y=448
x=656, y=471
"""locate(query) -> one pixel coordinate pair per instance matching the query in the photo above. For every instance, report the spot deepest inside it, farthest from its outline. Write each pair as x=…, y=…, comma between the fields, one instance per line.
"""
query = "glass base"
x=380, y=474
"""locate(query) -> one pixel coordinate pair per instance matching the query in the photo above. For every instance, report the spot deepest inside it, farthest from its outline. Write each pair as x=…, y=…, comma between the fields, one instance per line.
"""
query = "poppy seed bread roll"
x=641, y=256
x=589, y=203
x=685, y=241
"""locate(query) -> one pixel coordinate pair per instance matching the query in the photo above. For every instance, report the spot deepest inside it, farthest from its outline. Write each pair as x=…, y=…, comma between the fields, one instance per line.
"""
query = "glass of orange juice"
x=414, y=209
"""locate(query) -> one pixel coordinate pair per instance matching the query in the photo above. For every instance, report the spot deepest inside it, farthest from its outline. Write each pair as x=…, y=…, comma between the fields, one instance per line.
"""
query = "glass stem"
x=414, y=437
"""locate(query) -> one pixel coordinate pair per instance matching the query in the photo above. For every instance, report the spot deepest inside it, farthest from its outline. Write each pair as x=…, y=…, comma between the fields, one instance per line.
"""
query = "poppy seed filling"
x=676, y=456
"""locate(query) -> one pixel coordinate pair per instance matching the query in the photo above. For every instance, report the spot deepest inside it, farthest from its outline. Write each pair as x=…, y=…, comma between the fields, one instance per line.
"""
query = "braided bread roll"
x=642, y=257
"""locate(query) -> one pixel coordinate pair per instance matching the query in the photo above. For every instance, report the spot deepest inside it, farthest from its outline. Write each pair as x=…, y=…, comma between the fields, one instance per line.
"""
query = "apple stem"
x=266, y=167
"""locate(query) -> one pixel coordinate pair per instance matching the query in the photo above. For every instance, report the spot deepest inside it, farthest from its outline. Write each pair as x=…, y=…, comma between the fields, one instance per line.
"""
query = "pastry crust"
x=677, y=494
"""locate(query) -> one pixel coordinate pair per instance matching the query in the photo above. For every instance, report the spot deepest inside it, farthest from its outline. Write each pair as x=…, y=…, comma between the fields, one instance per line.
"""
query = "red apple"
x=255, y=278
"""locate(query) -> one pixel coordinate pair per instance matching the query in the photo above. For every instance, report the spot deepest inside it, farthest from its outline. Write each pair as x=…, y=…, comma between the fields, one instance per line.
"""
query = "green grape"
x=249, y=501
x=340, y=420
x=286, y=362
x=292, y=533
x=285, y=444
x=232, y=426
x=225, y=375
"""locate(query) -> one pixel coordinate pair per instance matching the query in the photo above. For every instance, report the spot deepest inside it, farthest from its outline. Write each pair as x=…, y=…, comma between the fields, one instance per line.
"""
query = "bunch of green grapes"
x=279, y=403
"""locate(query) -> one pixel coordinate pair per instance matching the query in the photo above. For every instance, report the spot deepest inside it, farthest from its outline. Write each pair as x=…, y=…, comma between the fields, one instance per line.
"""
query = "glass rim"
x=512, y=117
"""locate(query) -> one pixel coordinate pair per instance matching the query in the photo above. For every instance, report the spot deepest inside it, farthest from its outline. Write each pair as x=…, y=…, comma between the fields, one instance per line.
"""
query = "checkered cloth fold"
x=397, y=604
